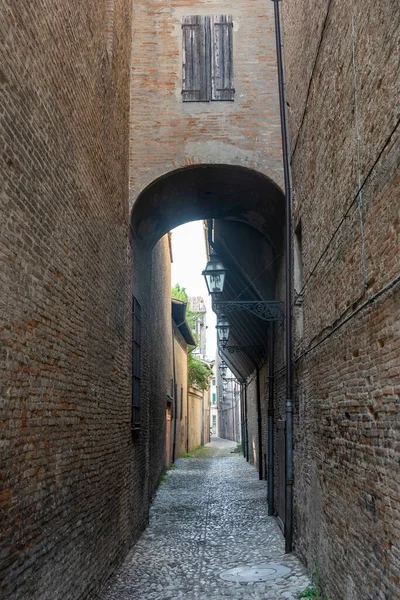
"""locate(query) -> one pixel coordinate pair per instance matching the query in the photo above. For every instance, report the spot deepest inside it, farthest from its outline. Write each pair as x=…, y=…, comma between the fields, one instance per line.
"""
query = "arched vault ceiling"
x=209, y=191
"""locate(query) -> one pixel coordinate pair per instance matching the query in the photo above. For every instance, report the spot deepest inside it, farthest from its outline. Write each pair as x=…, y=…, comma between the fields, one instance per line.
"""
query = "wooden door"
x=168, y=435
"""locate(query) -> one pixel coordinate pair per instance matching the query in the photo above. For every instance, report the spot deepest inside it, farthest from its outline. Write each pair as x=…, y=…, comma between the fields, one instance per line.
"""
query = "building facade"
x=214, y=402
x=197, y=305
x=111, y=138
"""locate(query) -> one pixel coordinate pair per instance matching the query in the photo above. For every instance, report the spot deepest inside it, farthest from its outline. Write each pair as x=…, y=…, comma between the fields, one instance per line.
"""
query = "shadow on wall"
x=209, y=192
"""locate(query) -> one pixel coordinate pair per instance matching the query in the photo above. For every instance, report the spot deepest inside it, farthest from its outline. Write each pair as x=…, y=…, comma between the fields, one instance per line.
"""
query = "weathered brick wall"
x=157, y=299
x=343, y=85
x=166, y=133
x=67, y=512
x=206, y=416
x=195, y=417
x=252, y=417
x=181, y=362
x=252, y=430
x=229, y=412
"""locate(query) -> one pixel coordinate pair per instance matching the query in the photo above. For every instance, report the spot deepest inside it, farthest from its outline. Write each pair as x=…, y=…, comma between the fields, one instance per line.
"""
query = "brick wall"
x=195, y=417
x=343, y=85
x=159, y=348
x=67, y=511
x=166, y=133
x=181, y=362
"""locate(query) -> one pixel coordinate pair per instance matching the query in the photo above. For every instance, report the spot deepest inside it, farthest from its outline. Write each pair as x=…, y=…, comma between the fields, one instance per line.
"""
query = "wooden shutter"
x=222, y=58
x=195, y=39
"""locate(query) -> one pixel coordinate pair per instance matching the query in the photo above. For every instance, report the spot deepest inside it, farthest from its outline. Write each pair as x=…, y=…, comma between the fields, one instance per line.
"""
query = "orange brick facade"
x=168, y=134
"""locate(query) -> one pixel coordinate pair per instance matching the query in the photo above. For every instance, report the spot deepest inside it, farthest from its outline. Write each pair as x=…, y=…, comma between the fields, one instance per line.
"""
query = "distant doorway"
x=281, y=473
x=168, y=435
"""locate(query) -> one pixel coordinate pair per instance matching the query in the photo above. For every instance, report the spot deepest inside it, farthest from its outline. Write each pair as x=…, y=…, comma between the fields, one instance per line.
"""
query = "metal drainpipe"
x=241, y=418
x=288, y=290
x=245, y=423
x=271, y=508
x=210, y=233
x=233, y=416
x=259, y=422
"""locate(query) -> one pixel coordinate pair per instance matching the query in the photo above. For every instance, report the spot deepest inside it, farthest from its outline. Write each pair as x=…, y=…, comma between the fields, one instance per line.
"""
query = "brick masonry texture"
x=67, y=512
x=182, y=388
x=168, y=134
x=343, y=84
x=76, y=482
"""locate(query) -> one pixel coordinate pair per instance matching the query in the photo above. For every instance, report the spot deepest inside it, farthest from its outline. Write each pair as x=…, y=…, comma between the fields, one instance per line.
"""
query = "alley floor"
x=209, y=516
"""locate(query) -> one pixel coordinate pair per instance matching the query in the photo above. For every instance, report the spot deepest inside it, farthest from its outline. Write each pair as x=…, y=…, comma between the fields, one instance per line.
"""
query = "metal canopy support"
x=257, y=351
x=268, y=310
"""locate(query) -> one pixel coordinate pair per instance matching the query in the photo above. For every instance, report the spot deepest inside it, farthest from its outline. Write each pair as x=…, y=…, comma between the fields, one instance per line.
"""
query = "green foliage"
x=199, y=452
x=198, y=372
x=315, y=591
x=179, y=293
x=309, y=592
x=171, y=467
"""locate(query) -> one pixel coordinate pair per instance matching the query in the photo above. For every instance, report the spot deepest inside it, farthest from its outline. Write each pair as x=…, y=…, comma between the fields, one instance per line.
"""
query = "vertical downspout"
x=210, y=233
x=242, y=387
x=233, y=412
x=288, y=287
x=246, y=446
x=202, y=440
x=271, y=508
x=242, y=420
x=259, y=422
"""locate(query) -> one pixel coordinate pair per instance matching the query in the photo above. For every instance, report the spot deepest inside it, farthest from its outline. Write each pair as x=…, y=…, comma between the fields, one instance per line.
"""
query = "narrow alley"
x=200, y=239
x=209, y=537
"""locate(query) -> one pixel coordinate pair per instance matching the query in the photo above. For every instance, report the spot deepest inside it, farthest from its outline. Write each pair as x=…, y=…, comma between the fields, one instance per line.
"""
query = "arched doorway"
x=247, y=210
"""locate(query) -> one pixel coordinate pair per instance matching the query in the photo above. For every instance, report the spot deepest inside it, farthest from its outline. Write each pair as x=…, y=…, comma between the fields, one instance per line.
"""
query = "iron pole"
x=271, y=458
x=259, y=422
x=288, y=286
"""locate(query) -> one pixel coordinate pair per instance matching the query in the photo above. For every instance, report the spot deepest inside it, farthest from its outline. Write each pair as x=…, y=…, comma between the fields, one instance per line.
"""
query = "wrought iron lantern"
x=223, y=330
x=223, y=368
x=214, y=274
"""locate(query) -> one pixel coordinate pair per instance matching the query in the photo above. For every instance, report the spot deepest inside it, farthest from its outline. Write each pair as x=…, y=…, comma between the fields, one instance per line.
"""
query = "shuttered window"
x=136, y=362
x=221, y=57
x=195, y=84
x=207, y=72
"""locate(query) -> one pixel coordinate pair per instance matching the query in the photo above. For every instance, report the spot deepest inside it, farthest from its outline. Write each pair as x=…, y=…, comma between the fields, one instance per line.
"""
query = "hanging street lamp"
x=223, y=368
x=223, y=330
x=214, y=274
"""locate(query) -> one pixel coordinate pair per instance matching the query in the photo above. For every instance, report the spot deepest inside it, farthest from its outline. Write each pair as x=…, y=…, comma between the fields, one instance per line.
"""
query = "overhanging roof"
x=179, y=317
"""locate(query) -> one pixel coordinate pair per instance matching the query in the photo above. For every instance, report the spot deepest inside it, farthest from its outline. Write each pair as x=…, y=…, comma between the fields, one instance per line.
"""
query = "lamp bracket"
x=258, y=351
x=268, y=310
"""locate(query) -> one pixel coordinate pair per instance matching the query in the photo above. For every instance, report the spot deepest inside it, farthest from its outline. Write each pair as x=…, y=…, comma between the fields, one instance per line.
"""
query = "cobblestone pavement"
x=210, y=515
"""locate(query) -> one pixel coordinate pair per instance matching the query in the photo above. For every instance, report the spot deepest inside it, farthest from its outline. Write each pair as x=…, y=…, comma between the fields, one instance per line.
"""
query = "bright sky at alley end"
x=189, y=260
